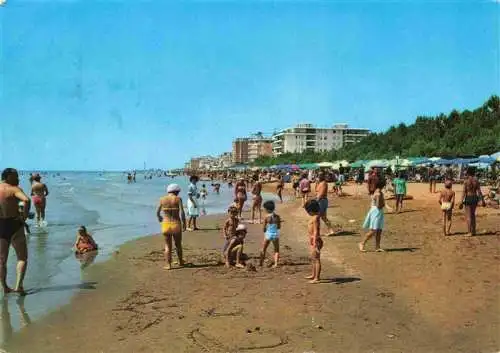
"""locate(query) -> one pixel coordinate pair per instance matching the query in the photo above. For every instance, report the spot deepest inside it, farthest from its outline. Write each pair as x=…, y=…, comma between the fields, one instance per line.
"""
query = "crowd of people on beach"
x=378, y=184
x=15, y=208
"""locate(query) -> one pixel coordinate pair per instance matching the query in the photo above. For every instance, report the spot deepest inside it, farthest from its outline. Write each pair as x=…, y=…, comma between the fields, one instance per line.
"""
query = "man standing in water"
x=12, y=228
x=471, y=197
x=192, y=204
x=39, y=193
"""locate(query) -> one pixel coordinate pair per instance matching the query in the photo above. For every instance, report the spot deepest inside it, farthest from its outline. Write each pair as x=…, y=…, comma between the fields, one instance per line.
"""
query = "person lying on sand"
x=84, y=241
x=234, y=251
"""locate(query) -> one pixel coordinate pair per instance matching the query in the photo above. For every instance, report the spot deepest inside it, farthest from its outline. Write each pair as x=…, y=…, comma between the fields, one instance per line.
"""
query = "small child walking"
x=447, y=202
x=374, y=220
x=272, y=226
x=315, y=242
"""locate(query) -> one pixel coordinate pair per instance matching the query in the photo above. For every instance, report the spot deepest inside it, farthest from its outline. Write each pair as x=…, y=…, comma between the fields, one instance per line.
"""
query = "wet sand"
x=426, y=293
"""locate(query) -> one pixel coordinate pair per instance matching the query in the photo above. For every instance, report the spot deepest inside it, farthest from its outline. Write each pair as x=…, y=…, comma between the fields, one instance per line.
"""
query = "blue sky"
x=89, y=85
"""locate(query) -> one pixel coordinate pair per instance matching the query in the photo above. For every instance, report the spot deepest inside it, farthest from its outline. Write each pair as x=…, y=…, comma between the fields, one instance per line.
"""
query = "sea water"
x=114, y=212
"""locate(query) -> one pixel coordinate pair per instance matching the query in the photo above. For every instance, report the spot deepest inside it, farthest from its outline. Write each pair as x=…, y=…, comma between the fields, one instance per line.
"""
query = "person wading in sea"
x=39, y=193
x=12, y=228
x=240, y=193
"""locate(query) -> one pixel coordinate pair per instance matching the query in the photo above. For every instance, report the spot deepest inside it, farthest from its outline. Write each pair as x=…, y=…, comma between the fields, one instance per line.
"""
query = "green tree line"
x=466, y=133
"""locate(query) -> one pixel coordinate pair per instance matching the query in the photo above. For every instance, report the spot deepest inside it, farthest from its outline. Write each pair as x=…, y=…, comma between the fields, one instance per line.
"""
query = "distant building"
x=307, y=137
x=225, y=160
x=248, y=149
x=194, y=164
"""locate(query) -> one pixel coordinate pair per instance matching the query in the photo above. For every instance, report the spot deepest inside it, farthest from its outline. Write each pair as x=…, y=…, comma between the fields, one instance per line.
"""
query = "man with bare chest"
x=12, y=227
x=471, y=197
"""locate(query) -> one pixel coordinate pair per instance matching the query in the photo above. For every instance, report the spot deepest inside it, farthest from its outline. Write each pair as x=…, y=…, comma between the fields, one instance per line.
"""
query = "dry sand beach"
x=426, y=293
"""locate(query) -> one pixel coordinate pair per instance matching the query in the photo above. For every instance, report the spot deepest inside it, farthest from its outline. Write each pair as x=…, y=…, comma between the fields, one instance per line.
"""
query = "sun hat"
x=173, y=188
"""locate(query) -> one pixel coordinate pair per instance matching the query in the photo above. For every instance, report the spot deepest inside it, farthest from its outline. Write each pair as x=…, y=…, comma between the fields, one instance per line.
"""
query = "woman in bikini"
x=173, y=222
x=279, y=188
x=471, y=197
x=257, y=201
x=240, y=191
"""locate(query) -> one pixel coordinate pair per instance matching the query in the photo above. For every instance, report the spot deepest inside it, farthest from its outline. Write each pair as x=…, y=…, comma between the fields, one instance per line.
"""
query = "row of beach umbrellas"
x=483, y=161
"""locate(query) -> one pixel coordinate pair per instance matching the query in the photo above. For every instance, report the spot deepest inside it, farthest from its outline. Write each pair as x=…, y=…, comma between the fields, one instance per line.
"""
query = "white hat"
x=173, y=188
x=241, y=227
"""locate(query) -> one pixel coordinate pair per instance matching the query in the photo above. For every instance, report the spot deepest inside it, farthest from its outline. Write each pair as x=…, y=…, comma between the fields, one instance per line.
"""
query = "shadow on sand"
x=84, y=285
x=191, y=265
x=340, y=280
x=343, y=233
x=402, y=249
x=480, y=234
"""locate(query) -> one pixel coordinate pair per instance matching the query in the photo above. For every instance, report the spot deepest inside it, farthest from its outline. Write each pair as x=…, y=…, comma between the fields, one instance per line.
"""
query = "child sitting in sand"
x=315, y=242
x=447, y=202
x=234, y=250
x=84, y=241
x=272, y=226
x=492, y=199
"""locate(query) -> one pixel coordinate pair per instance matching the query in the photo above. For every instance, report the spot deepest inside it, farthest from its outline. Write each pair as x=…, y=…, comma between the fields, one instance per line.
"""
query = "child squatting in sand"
x=315, y=242
x=234, y=250
x=272, y=226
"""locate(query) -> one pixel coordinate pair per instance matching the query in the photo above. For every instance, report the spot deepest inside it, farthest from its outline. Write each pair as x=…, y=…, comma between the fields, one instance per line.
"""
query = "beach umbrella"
x=485, y=159
x=325, y=165
x=378, y=163
x=480, y=165
x=308, y=166
x=358, y=163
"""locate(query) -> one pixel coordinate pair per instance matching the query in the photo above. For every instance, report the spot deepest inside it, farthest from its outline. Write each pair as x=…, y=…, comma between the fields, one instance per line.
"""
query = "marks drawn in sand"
x=140, y=311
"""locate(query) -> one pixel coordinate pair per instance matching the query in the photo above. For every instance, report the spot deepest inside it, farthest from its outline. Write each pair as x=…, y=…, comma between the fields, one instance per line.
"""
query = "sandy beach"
x=426, y=293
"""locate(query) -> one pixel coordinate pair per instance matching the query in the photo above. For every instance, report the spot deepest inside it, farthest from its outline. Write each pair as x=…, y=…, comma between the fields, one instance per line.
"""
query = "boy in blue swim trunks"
x=272, y=226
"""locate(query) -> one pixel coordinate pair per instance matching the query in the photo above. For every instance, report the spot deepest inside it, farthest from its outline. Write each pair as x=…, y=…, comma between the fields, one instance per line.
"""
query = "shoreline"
x=135, y=299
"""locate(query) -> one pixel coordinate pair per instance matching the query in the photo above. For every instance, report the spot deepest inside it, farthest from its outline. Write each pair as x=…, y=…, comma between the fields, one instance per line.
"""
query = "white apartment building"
x=225, y=160
x=307, y=137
